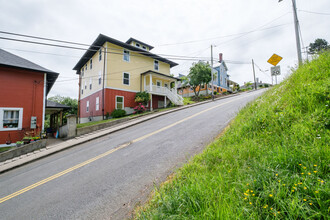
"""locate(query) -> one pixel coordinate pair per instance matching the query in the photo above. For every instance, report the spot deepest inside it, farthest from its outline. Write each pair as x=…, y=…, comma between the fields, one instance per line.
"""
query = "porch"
x=162, y=85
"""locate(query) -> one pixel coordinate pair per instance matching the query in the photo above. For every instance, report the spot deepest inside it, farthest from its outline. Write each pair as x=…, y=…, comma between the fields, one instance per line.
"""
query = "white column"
x=144, y=83
x=151, y=102
x=175, y=87
x=164, y=101
x=150, y=83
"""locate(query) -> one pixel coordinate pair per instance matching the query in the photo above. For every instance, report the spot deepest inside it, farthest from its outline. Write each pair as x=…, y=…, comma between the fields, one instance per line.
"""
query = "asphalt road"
x=107, y=177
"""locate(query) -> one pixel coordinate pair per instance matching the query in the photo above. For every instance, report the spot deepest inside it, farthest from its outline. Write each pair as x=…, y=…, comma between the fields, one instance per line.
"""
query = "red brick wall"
x=21, y=89
x=92, y=105
x=110, y=102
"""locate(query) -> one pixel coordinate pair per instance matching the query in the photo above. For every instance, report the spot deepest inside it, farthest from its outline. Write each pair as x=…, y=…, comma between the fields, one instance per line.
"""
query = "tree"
x=318, y=46
x=199, y=74
x=73, y=103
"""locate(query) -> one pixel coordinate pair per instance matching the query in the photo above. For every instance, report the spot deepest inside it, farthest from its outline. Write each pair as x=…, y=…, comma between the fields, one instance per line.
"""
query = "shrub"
x=142, y=97
x=118, y=113
x=266, y=85
x=139, y=109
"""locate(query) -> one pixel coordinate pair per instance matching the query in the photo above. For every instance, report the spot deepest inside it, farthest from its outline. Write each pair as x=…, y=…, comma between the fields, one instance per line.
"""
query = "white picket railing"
x=170, y=93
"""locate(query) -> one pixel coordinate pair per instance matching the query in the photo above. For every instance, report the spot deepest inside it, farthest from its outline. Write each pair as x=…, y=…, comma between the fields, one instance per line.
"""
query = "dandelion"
x=309, y=173
x=253, y=194
x=316, y=192
x=315, y=171
x=283, y=184
x=252, y=191
x=250, y=203
x=270, y=195
x=246, y=194
x=305, y=187
x=305, y=200
x=279, y=181
x=295, y=184
x=271, y=208
x=305, y=168
x=276, y=174
x=302, y=173
x=310, y=203
x=247, y=184
x=278, y=212
x=300, y=164
x=315, y=165
x=322, y=181
x=245, y=198
x=292, y=190
x=300, y=183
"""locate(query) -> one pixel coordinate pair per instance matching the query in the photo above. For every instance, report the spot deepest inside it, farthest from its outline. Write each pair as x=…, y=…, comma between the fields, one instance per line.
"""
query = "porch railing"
x=170, y=93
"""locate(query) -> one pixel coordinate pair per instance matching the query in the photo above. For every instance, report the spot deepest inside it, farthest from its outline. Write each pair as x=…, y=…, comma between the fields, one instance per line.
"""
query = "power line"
x=312, y=12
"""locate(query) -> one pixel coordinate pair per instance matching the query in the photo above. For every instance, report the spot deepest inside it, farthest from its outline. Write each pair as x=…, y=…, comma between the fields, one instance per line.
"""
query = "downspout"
x=79, y=92
x=103, y=98
x=44, y=107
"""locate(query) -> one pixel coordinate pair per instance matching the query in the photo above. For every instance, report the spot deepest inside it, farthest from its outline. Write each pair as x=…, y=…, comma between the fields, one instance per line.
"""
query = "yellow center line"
x=55, y=176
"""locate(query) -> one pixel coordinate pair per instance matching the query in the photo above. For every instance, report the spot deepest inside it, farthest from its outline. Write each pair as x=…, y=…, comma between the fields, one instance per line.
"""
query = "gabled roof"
x=140, y=42
x=161, y=74
x=99, y=42
x=10, y=60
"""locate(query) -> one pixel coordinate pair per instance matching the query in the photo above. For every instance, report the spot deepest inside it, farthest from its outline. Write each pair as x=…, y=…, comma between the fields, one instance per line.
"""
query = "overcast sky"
x=241, y=30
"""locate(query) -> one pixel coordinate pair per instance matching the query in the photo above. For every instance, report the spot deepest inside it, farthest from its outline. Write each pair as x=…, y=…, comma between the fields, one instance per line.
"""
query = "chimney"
x=220, y=57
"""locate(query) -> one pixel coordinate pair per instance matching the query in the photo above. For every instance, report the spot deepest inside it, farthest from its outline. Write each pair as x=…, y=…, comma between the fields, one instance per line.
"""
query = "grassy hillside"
x=273, y=161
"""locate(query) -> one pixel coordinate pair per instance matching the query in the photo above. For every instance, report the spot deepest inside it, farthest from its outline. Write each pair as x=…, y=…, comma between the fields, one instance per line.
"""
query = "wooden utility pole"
x=254, y=76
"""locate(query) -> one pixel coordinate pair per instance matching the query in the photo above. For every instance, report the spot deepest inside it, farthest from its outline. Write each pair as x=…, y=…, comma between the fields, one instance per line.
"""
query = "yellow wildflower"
x=315, y=171
x=276, y=174
x=292, y=190
x=300, y=164
x=305, y=168
x=250, y=203
x=309, y=173
x=295, y=184
x=305, y=187
x=305, y=200
x=310, y=203
x=302, y=173
x=322, y=181
x=270, y=195
x=315, y=165
x=253, y=194
x=316, y=191
x=279, y=181
x=300, y=183
x=283, y=184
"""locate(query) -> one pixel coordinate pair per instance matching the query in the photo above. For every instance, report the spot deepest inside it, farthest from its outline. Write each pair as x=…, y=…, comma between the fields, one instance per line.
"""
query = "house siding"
x=22, y=89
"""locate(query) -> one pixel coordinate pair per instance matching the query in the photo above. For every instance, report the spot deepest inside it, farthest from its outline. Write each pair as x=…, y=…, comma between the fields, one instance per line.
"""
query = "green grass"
x=2, y=149
x=187, y=101
x=273, y=161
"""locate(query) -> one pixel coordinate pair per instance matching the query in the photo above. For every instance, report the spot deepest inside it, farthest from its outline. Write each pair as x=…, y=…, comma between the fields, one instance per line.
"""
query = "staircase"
x=173, y=96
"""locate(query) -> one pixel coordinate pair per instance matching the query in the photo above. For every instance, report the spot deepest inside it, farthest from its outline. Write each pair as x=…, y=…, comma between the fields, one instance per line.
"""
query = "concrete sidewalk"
x=38, y=154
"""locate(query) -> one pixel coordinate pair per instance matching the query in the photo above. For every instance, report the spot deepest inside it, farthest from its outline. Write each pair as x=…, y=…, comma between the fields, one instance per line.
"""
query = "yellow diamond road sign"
x=275, y=59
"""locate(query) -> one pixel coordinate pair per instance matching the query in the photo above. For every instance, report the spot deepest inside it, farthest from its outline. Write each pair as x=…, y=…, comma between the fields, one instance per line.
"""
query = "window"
x=86, y=66
x=97, y=104
x=87, y=106
x=156, y=65
x=126, y=79
x=100, y=78
x=166, y=85
x=119, y=102
x=126, y=55
x=90, y=83
x=144, y=47
x=137, y=45
x=85, y=85
x=82, y=72
x=90, y=64
x=11, y=118
x=82, y=91
x=100, y=54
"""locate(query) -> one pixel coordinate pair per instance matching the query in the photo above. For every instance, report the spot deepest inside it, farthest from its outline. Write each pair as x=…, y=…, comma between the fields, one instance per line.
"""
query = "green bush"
x=142, y=97
x=118, y=113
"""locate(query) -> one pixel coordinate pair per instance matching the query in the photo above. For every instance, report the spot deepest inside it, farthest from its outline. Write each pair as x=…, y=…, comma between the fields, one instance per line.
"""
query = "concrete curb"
x=44, y=152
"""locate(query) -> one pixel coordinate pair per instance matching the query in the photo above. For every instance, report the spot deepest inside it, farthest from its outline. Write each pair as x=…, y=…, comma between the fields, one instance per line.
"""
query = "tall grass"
x=273, y=161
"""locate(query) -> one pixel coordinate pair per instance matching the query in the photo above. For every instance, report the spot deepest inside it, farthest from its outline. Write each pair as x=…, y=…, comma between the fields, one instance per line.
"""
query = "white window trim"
x=97, y=103
x=123, y=101
x=129, y=79
x=100, y=54
x=129, y=57
x=137, y=45
x=155, y=65
x=20, y=119
x=100, y=78
x=87, y=106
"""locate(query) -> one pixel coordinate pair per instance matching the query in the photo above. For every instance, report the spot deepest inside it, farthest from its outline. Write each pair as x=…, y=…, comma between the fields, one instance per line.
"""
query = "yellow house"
x=111, y=72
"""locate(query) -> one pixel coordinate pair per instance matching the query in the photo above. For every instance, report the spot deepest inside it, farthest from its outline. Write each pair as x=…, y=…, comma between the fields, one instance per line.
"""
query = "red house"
x=24, y=87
